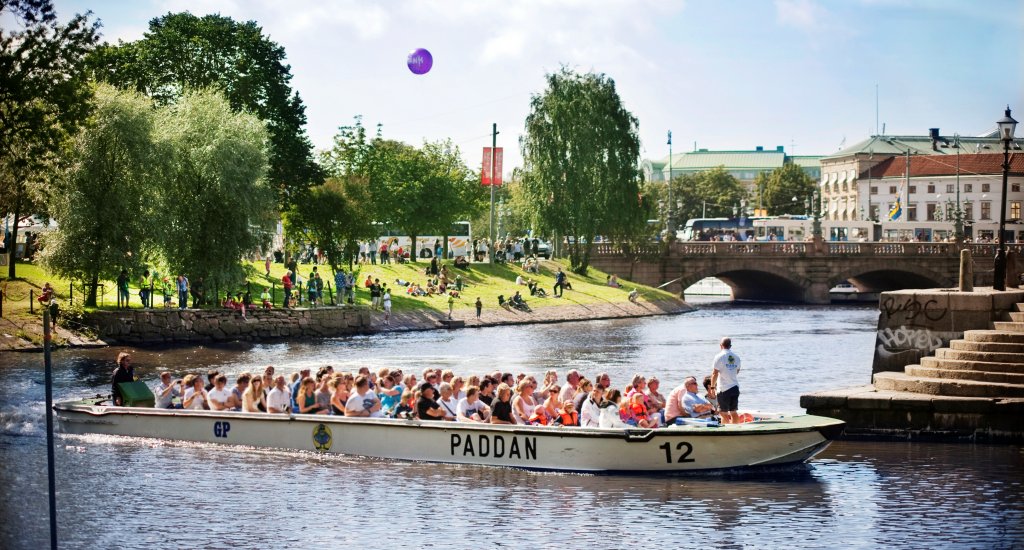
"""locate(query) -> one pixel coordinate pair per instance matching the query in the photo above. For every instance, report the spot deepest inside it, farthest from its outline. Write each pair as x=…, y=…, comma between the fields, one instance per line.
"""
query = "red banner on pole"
x=486, y=173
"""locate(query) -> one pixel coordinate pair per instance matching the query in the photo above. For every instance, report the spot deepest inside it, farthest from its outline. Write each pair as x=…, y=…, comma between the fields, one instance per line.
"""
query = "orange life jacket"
x=570, y=419
x=539, y=419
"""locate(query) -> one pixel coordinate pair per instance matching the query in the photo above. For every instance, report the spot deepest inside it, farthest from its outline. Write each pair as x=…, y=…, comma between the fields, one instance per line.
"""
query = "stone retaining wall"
x=914, y=323
x=158, y=326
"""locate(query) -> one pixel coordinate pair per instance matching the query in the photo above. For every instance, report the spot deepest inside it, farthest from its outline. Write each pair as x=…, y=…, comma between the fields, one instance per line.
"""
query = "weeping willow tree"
x=103, y=213
x=581, y=163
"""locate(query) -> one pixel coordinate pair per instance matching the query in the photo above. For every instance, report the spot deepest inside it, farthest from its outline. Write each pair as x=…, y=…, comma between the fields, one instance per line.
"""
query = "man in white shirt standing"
x=279, y=399
x=723, y=378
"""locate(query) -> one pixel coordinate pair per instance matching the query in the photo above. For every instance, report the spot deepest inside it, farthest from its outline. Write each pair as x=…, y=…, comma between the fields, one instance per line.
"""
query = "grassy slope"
x=482, y=280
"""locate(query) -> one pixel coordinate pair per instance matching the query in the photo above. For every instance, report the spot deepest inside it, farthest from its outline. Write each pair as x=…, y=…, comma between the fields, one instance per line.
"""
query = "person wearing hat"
x=426, y=407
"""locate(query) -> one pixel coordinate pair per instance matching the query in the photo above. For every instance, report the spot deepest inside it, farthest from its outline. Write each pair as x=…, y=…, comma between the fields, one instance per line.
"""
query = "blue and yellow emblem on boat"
x=322, y=438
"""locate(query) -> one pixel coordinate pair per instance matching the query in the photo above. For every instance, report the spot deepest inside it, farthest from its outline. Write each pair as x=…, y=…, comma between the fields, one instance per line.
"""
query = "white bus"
x=459, y=243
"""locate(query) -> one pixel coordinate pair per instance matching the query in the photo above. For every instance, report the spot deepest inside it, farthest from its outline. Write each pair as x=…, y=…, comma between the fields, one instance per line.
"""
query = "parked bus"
x=459, y=242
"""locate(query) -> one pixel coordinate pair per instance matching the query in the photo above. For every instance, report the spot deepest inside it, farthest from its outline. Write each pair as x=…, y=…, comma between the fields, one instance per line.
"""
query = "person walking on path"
x=479, y=307
x=723, y=379
x=387, y=306
x=451, y=305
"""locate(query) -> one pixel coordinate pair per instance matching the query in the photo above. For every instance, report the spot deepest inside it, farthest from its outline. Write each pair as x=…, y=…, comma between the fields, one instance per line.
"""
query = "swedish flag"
x=897, y=210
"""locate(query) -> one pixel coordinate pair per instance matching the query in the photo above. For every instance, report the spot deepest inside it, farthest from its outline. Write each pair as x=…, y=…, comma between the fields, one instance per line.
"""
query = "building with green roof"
x=742, y=165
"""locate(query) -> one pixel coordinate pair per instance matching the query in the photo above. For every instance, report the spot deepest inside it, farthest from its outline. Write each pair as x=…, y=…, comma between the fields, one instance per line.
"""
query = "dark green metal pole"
x=49, y=428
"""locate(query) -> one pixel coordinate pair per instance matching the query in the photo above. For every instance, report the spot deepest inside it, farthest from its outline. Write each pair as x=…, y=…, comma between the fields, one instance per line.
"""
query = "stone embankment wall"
x=158, y=326
x=914, y=323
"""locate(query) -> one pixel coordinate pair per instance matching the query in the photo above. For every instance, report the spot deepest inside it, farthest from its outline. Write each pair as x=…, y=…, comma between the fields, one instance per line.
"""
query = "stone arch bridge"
x=796, y=271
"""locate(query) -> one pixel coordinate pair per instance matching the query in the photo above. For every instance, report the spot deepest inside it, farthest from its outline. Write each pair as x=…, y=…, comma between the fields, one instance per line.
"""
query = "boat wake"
x=23, y=423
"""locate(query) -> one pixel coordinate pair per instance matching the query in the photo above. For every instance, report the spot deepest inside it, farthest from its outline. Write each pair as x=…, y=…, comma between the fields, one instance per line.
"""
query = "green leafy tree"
x=182, y=51
x=333, y=218
x=581, y=162
x=216, y=204
x=711, y=193
x=106, y=190
x=783, y=185
x=44, y=97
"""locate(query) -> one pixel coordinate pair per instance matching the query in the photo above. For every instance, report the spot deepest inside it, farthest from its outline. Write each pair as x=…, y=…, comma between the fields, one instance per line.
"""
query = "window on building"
x=1015, y=187
x=931, y=188
x=968, y=187
x=931, y=208
x=1014, y=210
x=985, y=187
x=892, y=189
x=912, y=213
x=874, y=212
x=874, y=190
x=986, y=210
x=913, y=189
x=968, y=212
x=949, y=188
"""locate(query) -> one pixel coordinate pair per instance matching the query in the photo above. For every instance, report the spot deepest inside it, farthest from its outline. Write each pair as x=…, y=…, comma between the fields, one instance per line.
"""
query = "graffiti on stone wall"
x=902, y=338
x=913, y=310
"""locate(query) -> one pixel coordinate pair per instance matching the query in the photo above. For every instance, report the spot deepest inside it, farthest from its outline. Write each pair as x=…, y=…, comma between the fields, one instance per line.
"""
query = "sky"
x=720, y=74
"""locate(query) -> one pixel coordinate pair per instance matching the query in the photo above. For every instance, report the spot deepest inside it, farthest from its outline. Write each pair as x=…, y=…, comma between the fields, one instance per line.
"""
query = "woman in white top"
x=254, y=400
x=195, y=396
x=590, y=410
x=448, y=402
x=523, y=404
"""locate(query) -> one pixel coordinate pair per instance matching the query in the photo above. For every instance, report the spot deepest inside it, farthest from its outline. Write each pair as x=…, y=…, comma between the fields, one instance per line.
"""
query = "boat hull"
x=774, y=442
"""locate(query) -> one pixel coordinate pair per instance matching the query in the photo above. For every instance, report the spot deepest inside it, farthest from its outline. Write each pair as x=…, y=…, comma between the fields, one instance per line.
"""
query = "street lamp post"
x=671, y=222
x=1006, y=127
x=958, y=219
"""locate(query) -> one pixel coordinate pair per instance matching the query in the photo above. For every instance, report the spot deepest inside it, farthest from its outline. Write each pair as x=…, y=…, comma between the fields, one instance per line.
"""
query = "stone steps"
x=1017, y=316
x=963, y=374
x=899, y=381
x=981, y=366
x=996, y=347
x=1009, y=326
x=994, y=336
x=979, y=356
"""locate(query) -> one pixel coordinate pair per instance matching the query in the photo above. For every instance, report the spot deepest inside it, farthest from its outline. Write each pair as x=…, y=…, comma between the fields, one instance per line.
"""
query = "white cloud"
x=802, y=14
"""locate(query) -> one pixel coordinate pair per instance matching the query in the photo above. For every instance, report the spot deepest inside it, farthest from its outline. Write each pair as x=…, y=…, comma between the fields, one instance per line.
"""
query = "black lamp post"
x=1006, y=127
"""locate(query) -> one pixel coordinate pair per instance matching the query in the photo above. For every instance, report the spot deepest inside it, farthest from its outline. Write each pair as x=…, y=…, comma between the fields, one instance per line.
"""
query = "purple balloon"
x=420, y=61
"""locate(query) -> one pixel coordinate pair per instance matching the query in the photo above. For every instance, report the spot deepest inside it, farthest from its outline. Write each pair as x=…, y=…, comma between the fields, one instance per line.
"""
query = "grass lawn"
x=482, y=280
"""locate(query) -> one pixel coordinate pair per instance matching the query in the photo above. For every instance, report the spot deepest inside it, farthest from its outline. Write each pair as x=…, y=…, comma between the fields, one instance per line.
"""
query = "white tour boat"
x=774, y=441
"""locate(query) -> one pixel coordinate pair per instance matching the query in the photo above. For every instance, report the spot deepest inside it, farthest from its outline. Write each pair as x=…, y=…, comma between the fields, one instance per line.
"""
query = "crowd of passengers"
x=496, y=398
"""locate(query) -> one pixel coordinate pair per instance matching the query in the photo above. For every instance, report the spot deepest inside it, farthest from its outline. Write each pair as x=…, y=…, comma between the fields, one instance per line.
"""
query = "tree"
x=783, y=185
x=333, y=217
x=711, y=193
x=182, y=51
x=216, y=204
x=44, y=97
x=581, y=162
x=106, y=191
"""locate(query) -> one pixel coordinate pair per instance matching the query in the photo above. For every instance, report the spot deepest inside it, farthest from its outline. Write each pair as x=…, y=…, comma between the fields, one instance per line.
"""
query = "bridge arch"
x=761, y=281
x=880, y=278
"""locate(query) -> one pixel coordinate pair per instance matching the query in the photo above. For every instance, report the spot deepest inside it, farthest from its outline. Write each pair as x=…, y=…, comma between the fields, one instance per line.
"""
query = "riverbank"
x=160, y=327
x=590, y=298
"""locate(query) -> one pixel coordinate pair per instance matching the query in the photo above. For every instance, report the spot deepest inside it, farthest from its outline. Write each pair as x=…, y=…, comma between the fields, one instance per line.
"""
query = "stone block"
x=910, y=402
x=962, y=405
x=970, y=301
x=1005, y=301
x=867, y=401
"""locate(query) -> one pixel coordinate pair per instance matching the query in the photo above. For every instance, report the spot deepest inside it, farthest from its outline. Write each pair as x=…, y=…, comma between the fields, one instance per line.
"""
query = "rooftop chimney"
x=934, y=134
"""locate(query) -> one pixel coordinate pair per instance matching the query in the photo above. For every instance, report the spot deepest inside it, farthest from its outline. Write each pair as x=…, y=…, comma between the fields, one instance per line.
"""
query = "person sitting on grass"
x=431, y=289
x=461, y=262
x=634, y=295
x=518, y=302
x=503, y=303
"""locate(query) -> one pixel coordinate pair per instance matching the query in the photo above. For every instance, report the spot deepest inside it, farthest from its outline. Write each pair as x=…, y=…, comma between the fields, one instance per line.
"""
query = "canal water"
x=134, y=492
